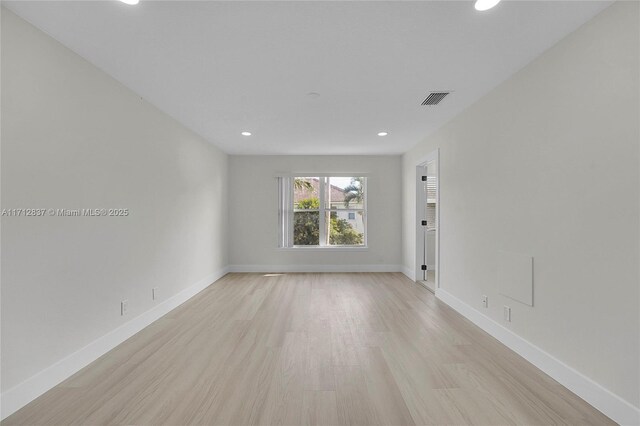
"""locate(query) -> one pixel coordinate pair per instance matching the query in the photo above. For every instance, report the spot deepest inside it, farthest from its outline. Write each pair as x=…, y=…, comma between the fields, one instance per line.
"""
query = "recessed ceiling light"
x=383, y=134
x=130, y=2
x=483, y=5
x=246, y=133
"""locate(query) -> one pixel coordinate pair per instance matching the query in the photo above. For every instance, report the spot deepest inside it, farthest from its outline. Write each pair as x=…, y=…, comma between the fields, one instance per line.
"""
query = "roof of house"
x=337, y=194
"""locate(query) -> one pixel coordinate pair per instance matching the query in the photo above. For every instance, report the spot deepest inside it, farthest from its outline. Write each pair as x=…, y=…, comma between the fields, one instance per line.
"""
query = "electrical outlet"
x=154, y=293
x=507, y=313
x=124, y=307
x=485, y=301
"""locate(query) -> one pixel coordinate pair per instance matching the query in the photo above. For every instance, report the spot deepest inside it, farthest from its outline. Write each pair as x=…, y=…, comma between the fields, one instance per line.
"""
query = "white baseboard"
x=315, y=268
x=20, y=395
x=428, y=285
x=602, y=399
x=409, y=273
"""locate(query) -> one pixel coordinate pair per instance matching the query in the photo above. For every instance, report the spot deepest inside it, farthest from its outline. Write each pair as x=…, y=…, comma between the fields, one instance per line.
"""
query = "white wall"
x=254, y=213
x=547, y=164
x=73, y=137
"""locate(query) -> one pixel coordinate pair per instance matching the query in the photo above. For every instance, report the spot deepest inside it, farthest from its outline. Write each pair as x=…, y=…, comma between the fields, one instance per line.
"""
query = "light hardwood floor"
x=302, y=349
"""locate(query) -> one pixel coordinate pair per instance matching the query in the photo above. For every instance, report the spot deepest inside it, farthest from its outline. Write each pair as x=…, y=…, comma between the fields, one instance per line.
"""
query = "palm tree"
x=302, y=184
x=354, y=192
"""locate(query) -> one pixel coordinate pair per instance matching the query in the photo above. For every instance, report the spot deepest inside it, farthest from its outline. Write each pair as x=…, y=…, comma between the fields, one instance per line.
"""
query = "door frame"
x=421, y=164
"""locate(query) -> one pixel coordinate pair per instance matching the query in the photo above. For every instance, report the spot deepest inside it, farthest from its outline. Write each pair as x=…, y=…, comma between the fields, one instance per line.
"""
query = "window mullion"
x=290, y=213
x=321, y=212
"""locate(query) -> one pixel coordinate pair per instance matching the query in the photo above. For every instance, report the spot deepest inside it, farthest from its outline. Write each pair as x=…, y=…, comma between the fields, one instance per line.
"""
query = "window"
x=431, y=202
x=322, y=211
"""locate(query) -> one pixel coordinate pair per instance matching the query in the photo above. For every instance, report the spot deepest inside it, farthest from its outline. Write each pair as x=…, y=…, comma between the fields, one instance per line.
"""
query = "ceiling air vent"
x=434, y=98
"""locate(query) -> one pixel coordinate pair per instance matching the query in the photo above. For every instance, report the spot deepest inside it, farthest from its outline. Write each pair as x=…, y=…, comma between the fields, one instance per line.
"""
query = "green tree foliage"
x=306, y=227
x=342, y=233
x=309, y=204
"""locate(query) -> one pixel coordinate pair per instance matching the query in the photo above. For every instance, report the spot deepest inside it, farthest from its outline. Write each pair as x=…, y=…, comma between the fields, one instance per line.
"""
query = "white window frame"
x=287, y=210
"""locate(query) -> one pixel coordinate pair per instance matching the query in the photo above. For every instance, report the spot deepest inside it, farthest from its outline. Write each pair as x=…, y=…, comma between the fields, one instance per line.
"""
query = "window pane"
x=344, y=231
x=345, y=193
x=306, y=193
x=431, y=216
x=306, y=228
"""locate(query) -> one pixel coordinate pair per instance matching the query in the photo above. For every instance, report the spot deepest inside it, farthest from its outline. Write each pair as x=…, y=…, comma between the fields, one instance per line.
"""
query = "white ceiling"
x=224, y=67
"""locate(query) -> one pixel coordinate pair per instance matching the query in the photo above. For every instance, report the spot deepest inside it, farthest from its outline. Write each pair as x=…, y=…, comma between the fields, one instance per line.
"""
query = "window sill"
x=317, y=248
